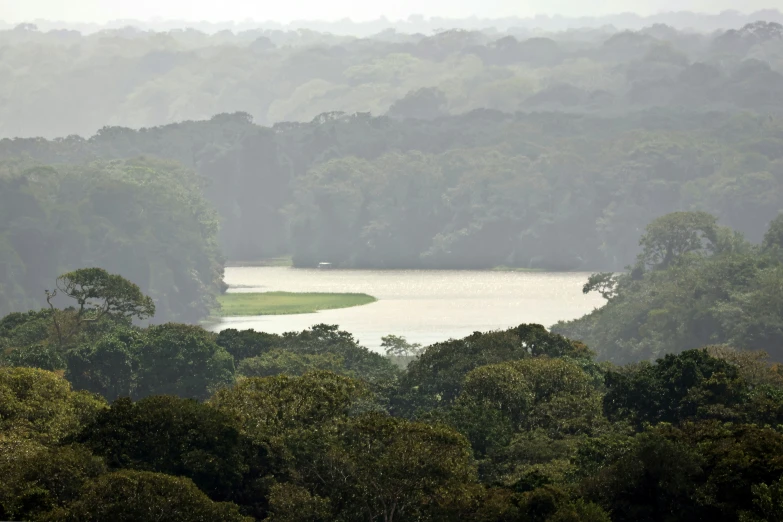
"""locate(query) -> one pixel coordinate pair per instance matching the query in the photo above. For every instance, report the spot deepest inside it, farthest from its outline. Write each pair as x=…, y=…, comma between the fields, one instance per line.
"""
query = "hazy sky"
x=287, y=10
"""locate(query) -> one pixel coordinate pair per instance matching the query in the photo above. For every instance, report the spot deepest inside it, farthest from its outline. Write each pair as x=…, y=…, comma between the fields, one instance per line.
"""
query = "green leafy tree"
x=400, y=347
x=268, y=407
x=181, y=437
x=41, y=405
x=551, y=504
x=183, y=360
x=245, y=344
x=98, y=294
x=109, y=366
x=329, y=340
x=704, y=470
x=142, y=495
x=25, y=329
x=603, y=283
x=768, y=503
x=24, y=341
x=276, y=362
x=436, y=377
x=40, y=355
x=691, y=385
x=37, y=478
x=144, y=220
x=423, y=104
x=652, y=481
x=552, y=394
x=524, y=418
x=724, y=293
x=773, y=239
x=672, y=236
x=381, y=468
x=751, y=318
x=291, y=503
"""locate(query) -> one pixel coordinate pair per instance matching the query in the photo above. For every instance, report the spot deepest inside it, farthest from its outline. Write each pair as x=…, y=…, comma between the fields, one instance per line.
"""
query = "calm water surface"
x=424, y=306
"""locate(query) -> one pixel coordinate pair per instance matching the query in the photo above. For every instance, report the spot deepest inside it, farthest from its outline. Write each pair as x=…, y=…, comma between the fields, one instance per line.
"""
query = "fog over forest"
x=58, y=81
x=152, y=152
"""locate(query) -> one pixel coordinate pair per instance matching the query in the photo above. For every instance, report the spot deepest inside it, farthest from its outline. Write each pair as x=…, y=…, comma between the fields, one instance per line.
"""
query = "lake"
x=425, y=306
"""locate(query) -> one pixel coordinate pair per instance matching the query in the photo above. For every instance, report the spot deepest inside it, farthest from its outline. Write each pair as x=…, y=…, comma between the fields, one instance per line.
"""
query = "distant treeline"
x=61, y=82
x=547, y=190
x=416, y=23
x=541, y=152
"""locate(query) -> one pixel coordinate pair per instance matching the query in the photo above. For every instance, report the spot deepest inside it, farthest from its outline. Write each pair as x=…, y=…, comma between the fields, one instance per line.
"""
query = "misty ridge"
x=58, y=82
x=397, y=150
x=426, y=25
x=458, y=150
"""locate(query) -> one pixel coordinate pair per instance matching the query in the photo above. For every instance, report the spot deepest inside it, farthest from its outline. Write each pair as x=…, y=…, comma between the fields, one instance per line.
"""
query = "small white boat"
x=324, y=266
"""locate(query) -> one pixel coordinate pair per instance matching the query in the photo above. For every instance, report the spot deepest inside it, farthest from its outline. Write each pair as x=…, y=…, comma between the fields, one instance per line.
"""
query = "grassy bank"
x=285, y=303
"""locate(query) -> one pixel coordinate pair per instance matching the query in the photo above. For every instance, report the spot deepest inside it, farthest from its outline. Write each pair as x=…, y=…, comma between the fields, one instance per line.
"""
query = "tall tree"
x=98, y=294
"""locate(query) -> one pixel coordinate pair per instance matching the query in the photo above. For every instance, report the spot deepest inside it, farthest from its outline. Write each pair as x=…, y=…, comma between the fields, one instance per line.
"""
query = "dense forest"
x=544, y=190
x=101, y=420
x=650, y=154
x=548, y=152
x=146, y=219
x=60, y=82
x=695, y=283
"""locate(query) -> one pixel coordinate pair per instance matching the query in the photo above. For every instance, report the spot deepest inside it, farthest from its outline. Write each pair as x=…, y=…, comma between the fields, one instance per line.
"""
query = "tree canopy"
x=526, y=427
x=529, y=150
x=651, y=156
x=694, y=284
x=143, y=221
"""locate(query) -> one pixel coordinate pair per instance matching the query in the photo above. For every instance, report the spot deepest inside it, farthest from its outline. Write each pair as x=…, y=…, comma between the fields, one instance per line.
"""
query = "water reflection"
x=424, y=306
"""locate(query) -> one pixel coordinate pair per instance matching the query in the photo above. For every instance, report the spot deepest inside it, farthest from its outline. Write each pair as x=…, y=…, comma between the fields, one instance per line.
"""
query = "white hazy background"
x=102, y=11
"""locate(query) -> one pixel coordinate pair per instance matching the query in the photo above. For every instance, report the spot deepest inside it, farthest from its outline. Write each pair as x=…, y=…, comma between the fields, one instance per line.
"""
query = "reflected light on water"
x=423, y=306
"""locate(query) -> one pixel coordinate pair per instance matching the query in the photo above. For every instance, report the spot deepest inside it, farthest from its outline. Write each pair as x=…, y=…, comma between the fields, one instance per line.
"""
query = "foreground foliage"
x=514, y=425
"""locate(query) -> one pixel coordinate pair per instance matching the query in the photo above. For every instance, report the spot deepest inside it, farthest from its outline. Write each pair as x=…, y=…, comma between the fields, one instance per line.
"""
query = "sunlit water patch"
x=424, y=306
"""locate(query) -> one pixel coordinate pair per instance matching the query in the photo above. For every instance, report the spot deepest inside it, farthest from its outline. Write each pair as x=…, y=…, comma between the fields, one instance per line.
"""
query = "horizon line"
x=413, y=17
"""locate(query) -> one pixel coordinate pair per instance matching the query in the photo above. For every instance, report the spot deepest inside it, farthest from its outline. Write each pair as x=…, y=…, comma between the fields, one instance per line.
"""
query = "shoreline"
x=266, y=264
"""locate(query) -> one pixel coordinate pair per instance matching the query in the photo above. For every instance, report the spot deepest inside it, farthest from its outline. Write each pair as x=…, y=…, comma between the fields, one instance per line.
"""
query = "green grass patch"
x=286, y=303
